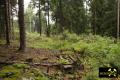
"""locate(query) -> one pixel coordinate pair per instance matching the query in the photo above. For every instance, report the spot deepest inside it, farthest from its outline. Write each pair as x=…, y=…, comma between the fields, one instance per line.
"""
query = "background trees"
x=71, y=16
x=80, y=16
x=6, y=8
x=2, y=19
x=104, y=17
x=51, y=17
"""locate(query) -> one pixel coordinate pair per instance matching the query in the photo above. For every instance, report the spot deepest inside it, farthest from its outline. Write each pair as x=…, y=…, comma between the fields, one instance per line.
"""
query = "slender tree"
x=48, y=16
x=40, y=24
x=21, y=25
x=9, y=17
x=61, y=15
x=118, y=28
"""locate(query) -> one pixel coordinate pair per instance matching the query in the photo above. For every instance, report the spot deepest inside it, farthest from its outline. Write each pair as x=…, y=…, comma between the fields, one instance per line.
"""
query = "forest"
x=59, y=39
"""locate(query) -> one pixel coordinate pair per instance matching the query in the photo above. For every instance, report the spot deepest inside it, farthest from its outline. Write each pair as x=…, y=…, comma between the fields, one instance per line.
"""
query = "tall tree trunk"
x=21, y=25
x=40, y=23
x=118, y=21
x=48, y=24
x=61, y=16
x=12, y=24
x=7, y=22
x=95, y=24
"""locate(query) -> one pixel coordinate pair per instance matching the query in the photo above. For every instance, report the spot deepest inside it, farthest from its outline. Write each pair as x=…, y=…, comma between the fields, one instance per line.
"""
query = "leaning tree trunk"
x=7, y=16
x=21, y=25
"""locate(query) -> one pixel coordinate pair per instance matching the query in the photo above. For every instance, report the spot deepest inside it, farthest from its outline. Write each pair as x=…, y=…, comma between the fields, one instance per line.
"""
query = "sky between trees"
x=26, y=2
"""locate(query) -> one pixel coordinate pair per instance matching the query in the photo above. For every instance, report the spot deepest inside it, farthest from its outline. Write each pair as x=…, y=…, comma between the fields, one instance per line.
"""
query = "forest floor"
x=50, y=62
x=59, y=58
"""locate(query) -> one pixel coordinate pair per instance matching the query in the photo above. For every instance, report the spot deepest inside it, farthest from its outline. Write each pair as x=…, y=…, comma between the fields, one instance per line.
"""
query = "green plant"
x=20, y=66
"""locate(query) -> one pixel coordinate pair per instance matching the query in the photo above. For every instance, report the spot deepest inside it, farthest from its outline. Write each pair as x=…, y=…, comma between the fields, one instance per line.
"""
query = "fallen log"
x=31, y=64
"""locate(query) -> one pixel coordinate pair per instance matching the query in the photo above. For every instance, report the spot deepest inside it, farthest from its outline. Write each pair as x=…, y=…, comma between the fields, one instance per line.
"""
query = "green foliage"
x=63, y=61
x=104, y=17
x=10, y=73
x=96, y=51
x=20, y=66
x=35, y=74
x=15, y=72
x=94, y=46
x=71, y=16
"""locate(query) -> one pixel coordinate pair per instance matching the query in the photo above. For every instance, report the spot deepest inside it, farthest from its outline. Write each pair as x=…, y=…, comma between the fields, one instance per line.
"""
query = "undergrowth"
x=96, y=51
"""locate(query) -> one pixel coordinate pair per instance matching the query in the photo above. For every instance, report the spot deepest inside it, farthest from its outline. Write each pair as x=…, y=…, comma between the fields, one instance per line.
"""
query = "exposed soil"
x=49, y=59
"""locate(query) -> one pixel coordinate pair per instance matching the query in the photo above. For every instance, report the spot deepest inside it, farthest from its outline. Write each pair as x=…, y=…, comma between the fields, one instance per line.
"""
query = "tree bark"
x=7, y=15
x=21, y=25
x=48, y=22
x=118, y=21
x=12, y=24
x=61, y=15
x=40, y=23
